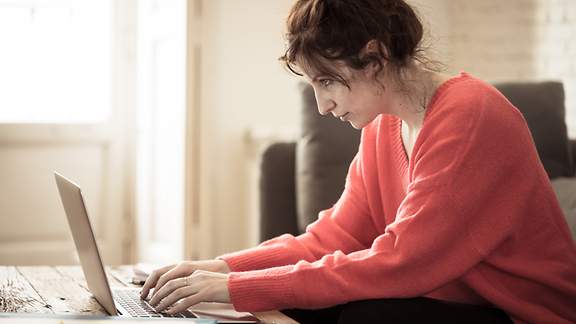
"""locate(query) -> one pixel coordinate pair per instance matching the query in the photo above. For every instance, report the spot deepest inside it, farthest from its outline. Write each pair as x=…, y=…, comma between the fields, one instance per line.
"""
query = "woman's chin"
x=359, y=124
x=358, y=127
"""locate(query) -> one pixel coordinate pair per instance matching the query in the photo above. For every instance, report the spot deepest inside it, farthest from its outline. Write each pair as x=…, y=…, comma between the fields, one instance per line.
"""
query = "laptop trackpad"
x=222, y=312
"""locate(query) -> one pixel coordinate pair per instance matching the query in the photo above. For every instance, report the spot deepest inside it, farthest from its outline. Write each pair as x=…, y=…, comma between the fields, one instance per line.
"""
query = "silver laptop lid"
x=86, y=246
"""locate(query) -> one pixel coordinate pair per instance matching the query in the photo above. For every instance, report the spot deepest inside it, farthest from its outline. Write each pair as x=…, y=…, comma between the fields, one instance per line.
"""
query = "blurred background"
x=159, y=110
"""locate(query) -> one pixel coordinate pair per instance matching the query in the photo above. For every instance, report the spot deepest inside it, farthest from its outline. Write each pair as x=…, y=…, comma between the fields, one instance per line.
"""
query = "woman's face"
x=358, y=105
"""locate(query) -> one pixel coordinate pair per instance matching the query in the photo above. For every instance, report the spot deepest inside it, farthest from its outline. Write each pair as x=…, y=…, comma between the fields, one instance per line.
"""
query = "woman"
x=447, y=214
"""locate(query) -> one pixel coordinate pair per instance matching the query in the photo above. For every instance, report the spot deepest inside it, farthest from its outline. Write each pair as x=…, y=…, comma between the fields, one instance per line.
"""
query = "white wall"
x=243, y=86
x=435, y=17
x=508, y=40
x=556, y=50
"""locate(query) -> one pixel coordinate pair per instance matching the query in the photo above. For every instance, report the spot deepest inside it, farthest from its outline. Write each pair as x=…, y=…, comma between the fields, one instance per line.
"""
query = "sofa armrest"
x=278, y=191
x=565, y=189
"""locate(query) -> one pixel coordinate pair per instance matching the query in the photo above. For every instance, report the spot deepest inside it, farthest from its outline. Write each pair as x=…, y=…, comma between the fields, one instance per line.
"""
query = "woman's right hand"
x=161, y=276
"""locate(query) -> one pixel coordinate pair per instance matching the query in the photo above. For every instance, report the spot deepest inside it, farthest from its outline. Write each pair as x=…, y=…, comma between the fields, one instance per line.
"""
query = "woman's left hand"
x=182, y=293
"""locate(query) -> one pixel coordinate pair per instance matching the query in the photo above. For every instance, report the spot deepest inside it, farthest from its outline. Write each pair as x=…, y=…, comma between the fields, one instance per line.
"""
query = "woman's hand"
x=182, y=293
x=159, y=277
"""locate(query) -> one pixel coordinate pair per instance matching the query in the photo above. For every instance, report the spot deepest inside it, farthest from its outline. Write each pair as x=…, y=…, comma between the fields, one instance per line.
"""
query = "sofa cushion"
x=324, y=151
x=277, y=191
x=542, y=104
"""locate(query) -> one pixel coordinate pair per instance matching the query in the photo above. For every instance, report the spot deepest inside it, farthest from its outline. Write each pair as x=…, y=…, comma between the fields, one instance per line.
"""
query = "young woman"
x=447, y=214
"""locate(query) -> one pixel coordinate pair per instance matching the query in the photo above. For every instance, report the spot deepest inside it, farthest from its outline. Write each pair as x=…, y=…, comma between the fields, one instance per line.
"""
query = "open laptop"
x=120, y=301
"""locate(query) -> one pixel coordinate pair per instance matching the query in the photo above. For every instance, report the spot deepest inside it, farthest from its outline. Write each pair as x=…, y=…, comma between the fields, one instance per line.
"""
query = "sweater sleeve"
x=326, y=235
x=458, y=208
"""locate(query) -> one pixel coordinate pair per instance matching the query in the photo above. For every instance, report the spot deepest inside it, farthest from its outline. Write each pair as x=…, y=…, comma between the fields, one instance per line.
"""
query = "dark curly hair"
x=321, y=31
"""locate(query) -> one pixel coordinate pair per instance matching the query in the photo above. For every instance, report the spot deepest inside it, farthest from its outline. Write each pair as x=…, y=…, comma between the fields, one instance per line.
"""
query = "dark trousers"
x=410, y=310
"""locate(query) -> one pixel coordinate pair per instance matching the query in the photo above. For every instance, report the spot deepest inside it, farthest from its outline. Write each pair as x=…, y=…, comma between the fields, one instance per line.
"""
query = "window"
x=161, y=129
x=55, y=61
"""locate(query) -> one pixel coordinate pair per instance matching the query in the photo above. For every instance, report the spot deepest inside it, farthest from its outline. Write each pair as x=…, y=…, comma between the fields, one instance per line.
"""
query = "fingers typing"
x=161, y=293
x=175, y=296
x=176, y=272
x=186, y=303
x=152, y=280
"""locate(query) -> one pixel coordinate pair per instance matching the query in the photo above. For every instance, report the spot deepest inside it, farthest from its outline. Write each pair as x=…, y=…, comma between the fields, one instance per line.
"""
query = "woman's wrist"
x=222, y=266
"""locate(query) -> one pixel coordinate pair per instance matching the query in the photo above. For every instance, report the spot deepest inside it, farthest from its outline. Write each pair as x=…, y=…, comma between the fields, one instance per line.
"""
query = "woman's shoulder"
x=470, y=100
x=465, y=89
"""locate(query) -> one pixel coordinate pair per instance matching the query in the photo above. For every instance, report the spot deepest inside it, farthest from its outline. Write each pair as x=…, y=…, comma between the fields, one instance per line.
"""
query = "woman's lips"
x=343, y=117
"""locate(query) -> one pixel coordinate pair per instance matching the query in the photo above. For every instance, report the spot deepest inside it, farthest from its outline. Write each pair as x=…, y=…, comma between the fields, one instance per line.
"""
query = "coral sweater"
x=470, y=218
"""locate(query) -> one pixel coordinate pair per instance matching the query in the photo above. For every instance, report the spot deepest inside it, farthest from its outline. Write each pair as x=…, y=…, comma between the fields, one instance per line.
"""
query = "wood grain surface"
x=63, y=290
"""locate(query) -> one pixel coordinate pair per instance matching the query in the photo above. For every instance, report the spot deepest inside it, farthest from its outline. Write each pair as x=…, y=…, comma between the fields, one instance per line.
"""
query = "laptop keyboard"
x=136, y=307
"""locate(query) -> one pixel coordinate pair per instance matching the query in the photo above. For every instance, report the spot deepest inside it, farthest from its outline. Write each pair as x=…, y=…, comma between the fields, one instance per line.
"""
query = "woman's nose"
x=325, y=106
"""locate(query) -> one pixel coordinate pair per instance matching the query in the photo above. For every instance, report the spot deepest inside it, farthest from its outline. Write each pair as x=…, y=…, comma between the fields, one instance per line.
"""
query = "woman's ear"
x=374, y=49
x=371, y=47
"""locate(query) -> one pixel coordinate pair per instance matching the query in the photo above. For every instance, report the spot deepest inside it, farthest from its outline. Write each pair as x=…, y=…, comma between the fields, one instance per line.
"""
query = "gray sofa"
x=299, y=179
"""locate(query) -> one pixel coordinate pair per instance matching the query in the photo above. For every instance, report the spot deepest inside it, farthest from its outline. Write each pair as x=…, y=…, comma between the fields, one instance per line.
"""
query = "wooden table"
x=63, y=290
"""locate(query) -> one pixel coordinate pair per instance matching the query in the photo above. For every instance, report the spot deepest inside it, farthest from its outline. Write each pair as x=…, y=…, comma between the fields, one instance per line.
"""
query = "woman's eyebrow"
x=313, y=78
x=318, y=76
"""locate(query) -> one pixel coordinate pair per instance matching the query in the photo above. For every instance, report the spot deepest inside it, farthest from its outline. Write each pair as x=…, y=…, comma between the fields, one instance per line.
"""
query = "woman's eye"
x=325, y=82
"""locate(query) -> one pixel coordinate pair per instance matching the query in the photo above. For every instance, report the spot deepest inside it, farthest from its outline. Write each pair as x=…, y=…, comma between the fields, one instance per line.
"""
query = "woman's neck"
x=411, y=98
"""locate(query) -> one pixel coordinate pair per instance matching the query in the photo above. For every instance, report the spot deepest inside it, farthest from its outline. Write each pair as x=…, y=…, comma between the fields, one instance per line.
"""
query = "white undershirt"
x=409, y=138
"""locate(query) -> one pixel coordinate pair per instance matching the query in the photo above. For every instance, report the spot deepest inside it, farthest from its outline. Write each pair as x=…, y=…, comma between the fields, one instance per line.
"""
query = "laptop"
x=126, y=301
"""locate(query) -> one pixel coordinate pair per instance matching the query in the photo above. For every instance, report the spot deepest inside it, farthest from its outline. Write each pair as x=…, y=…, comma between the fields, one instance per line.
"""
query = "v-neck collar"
x=406, y=160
